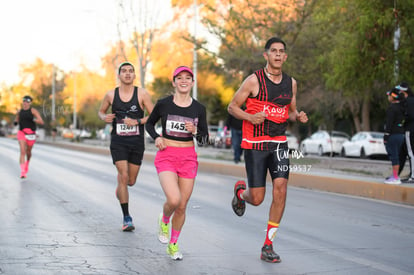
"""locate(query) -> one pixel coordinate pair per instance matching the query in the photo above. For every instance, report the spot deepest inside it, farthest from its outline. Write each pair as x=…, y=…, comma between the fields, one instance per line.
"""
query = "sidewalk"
x=310, y=176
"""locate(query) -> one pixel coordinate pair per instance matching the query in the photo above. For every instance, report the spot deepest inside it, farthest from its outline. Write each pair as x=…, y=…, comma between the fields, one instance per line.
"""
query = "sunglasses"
x=27, y=100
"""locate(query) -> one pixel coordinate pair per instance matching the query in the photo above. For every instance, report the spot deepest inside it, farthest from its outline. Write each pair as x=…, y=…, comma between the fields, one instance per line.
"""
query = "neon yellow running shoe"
x=163, y=230
x=172, y=250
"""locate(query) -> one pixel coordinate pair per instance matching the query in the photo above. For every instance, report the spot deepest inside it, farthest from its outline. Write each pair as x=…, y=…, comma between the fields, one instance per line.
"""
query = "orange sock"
x=271, y=232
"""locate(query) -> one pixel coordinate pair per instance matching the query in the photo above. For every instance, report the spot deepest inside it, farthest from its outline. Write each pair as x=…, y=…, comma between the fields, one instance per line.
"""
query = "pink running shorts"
x=180, y=160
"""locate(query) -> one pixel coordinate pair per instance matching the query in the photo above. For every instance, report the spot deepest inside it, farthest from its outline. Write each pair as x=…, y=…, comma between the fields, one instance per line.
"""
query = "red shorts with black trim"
x=27, y=135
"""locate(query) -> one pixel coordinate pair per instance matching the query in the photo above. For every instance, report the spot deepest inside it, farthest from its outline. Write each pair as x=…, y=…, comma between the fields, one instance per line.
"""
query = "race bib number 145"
x=175, y=126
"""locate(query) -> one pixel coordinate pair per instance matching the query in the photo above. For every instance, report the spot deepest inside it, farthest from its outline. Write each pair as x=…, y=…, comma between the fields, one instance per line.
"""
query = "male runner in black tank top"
x=127, y=147
x=27, y=118
x=269, y=95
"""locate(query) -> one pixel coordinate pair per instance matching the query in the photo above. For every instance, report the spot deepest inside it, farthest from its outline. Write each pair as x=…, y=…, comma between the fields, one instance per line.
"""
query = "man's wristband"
x=139, y=121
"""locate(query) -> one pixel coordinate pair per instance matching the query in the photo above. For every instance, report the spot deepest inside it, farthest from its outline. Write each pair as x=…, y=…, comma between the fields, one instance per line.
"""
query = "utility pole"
x=74, y=101
x=195, y=51
x=53, y=93
x=397, y=35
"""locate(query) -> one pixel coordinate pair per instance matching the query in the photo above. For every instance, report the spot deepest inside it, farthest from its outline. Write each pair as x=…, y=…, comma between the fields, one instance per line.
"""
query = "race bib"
x=124, y=130
x=30, y=137
x=175, y=126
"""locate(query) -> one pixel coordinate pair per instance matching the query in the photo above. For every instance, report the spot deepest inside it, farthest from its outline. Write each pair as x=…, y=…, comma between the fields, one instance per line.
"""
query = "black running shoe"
x=238, y=205
x=268, y=255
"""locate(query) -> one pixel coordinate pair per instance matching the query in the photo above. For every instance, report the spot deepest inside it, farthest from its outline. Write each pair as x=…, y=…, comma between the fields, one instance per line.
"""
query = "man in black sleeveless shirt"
x=127, y=147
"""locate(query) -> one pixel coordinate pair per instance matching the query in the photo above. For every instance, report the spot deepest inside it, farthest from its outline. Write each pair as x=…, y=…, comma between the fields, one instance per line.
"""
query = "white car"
x=364, y=145
x=321, y=143
x=292, y=140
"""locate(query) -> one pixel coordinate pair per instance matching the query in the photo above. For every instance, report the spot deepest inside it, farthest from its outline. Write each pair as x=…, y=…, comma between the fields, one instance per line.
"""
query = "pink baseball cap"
x=182, y=69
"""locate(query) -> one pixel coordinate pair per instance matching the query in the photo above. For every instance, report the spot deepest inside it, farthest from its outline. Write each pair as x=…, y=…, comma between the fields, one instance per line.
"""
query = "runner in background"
x=27, y=118
x=127, y=146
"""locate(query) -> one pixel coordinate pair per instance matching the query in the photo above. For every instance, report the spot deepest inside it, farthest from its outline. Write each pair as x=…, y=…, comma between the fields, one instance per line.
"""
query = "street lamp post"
x=195, y=51
x=53, y=93
x=74, y=101
x=397, y=36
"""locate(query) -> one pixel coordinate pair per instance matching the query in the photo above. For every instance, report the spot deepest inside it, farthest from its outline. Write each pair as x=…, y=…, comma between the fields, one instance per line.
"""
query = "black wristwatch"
x=139, y=121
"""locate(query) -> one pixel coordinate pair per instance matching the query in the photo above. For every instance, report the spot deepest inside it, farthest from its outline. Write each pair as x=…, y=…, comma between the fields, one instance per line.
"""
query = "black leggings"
x=407, y=150
x=259, y=162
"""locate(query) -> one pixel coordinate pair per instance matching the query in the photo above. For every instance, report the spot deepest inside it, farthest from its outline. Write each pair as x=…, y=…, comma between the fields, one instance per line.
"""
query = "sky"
x=66, y=33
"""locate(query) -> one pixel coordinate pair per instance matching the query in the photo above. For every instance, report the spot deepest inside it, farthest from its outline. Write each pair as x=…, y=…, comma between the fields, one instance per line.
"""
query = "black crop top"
x=173, y=120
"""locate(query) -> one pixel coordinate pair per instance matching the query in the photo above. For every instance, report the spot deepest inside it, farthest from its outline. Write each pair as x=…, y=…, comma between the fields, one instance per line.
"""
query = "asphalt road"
x=64, y=219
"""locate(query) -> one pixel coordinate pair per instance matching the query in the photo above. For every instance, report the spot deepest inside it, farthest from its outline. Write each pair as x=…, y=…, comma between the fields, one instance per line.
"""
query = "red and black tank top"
x=274, y=100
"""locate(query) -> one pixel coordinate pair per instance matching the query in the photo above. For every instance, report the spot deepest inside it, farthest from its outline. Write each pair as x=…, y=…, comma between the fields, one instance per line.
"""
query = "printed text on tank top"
x=273, y=112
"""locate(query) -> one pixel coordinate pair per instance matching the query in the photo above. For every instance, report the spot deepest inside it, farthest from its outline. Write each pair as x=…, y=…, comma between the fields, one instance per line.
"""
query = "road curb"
x=336, y=184
x=374, y=190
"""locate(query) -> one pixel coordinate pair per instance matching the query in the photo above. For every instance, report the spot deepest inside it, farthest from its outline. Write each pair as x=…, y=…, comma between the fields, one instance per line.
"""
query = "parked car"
x=83, y=133
x=293, y=142
x=68, y=133
x=324, y=142
x=364, y=145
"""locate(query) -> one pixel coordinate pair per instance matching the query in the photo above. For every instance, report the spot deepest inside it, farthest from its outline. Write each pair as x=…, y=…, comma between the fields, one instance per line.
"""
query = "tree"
x=244, y=26
x=39, y=77
x=213, y=92
x=86, y=86
x=362, y=61
x=140, y=19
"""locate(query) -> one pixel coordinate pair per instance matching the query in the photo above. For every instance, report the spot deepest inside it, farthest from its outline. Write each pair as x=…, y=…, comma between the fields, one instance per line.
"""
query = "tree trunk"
x=355, y=111
x=366, y=107
x=357, y=123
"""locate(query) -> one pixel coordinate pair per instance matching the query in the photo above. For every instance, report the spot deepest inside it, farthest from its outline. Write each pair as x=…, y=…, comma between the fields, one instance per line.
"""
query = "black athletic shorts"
x=131, y=153
x=259, y=162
